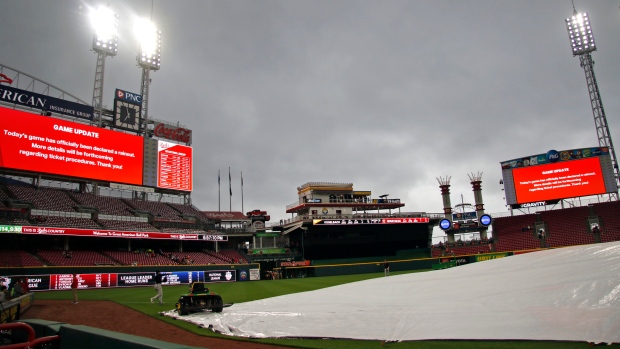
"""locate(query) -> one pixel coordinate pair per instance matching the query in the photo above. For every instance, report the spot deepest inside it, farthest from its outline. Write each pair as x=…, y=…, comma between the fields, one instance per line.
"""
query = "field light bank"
x=149, y=38
x=105, y=24
x=580, y=34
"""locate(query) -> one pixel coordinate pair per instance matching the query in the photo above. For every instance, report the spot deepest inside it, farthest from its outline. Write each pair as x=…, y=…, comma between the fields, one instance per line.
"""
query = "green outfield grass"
x=138, y=298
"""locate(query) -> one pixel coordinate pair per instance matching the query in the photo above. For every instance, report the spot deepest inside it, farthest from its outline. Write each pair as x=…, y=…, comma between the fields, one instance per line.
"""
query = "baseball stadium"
x=96, y=215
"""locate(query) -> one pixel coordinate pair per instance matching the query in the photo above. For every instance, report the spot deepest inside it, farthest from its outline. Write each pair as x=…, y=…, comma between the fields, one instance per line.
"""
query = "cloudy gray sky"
x=386, y=94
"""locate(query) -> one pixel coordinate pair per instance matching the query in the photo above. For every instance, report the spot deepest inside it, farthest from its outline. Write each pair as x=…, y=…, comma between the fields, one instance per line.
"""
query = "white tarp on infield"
x=569, y=294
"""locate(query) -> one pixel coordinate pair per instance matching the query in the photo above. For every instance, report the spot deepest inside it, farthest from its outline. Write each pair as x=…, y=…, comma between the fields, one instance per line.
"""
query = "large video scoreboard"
x=43, y=144
x=558, y=175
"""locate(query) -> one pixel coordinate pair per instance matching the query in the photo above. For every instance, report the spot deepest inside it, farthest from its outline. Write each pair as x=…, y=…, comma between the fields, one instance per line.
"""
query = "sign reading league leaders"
x=45, y=103
x=31, y=142
x=127, y=110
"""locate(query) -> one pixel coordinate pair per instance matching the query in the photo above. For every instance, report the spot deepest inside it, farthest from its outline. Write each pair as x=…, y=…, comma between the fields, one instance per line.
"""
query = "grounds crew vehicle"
x=199, y=299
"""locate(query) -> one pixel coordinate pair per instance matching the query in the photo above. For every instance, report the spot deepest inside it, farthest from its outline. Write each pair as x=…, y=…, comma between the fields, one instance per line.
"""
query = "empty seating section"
x=78, y=258
x=508, y=234
x=182, y=230
x=609, y=212
x=3, y=197
x=127, y=225
x=141, y=258
x=64, y=222
x=188, y=210
x=567, y=227
x=18, y=221
x=462, y=250
x=105, y=204
x=232, y=256
x=18, y=258
x=158, y=209
x=218, y=258
x=43, y=198
x=196, y=258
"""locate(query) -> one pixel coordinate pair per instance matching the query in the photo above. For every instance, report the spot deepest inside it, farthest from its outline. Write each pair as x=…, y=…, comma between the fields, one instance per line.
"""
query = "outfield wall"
x=345, y=267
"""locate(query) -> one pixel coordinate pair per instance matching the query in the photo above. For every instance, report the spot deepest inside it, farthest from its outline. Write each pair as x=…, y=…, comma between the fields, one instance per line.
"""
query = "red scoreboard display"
x=175, y=166
x=63, y=281
x=559, y=180
x=42, y=144
x=557, y=175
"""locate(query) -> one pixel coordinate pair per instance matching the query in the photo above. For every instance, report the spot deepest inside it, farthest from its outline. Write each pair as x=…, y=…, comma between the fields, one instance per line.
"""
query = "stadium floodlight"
x=580, y=34
x=105, y=43
x=105, y=38
x=150, y=44
x=582, y=43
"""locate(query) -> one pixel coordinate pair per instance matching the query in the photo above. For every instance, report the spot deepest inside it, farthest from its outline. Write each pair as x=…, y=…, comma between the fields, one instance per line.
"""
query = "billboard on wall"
x=38, y=143
x=553, y=176
x=51, y=282
x=45, y=103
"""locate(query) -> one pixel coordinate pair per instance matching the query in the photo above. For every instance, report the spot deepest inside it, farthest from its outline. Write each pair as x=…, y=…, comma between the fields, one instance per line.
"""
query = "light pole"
x=105, y=43
x=582, y=43
x=149, y=58
x=303, y=249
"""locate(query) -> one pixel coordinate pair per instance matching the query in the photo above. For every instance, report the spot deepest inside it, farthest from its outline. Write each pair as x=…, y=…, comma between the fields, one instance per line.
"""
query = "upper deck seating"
x=43, y=198
x=127, y=225
x=188, y=210
x=64, y=222
x=106, y=204
x=158, y=209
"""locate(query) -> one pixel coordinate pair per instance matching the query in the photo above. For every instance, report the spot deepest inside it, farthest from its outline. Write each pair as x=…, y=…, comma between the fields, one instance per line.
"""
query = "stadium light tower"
x=582, y=43
x=105, y=43
x=149, y=58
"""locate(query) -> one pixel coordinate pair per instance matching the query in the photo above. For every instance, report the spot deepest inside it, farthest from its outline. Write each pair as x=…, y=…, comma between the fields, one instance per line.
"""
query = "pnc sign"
x=128, y=96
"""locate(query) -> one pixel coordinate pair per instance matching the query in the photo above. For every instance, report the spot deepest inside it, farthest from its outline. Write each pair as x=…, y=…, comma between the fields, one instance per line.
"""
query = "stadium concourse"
x=564, y=294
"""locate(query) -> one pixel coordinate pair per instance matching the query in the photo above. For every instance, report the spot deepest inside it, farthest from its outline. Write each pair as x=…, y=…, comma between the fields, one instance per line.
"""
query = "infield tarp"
x=567, y=294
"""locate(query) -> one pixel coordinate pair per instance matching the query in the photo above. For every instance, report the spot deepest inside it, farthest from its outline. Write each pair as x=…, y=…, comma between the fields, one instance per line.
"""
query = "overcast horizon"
x=387, y=95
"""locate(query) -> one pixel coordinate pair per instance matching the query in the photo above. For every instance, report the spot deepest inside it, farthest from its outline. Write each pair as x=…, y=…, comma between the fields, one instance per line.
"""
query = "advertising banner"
x=52, y=282
x=106, y=233
x=464, y=216
x=370, y=221
x=254, y=274
x=208, y=237
x=173, y=133
x=487, y=257
x=46, y=103
x=243, y=275
x=220, y=276
x=38, y=143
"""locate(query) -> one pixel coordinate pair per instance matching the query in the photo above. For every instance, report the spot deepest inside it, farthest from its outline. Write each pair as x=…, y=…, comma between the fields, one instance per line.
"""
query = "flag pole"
x=242, y=192
x=219, y=201
x=230, y=191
